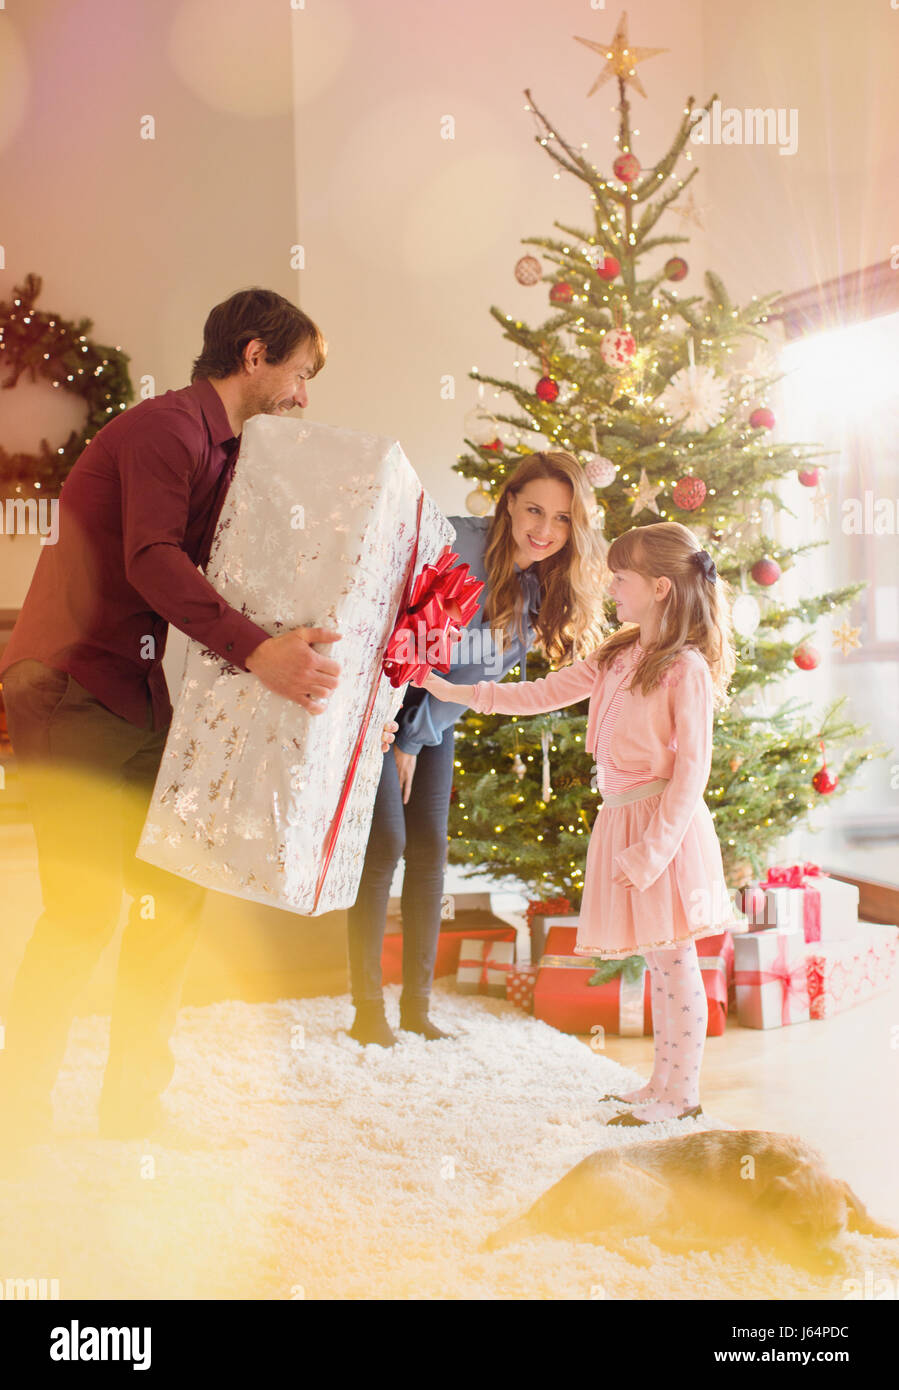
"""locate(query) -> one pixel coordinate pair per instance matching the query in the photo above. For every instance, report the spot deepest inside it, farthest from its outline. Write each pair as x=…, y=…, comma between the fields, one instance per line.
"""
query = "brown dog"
x=703, y=1191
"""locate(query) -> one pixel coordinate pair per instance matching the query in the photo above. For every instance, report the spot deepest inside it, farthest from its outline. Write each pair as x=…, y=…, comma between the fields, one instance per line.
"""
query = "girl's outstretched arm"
x=555, y=691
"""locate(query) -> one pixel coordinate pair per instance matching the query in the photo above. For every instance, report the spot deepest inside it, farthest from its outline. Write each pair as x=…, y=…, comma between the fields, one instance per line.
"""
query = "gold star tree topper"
x=621, y=59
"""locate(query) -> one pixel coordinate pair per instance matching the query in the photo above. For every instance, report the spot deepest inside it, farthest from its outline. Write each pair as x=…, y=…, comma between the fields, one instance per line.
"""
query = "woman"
x=541, y=558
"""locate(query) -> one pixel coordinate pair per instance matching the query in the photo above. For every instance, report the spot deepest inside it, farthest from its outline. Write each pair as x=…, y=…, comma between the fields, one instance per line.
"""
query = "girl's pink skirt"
x=688, y=900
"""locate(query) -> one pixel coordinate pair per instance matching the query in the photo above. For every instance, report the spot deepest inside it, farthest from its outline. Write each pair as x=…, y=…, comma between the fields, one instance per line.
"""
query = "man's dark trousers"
x=88, y=775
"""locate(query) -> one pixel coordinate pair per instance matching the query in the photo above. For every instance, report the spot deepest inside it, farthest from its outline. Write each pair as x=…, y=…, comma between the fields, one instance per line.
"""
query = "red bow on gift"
x=793, y=979
x=792, y=876
x=485, y=963
x=554, y=907
x=441, y=602
x=444, y=599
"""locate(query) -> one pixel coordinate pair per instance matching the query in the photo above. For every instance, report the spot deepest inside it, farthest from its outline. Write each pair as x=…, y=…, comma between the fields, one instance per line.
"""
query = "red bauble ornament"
x=676, y=268
x=495, y=446
x=561, y=293
x=688, y=493
x=822, y=780
x=762, y=419
x=608, y=268
x=626, y=168
x=766, y=572
x=809, y=476
x=806, y=657
x=547, y=389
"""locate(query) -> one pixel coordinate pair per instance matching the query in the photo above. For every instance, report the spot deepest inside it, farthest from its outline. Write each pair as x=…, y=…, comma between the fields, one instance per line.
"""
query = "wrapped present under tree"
x=579, y=995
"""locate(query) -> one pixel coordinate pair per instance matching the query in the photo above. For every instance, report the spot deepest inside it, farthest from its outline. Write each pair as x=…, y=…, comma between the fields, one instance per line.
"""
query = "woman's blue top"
x=424, y=720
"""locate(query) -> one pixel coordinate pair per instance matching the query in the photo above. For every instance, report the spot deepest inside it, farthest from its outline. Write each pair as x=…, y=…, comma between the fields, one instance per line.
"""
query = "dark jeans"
x=88, y=776
x=418, y=831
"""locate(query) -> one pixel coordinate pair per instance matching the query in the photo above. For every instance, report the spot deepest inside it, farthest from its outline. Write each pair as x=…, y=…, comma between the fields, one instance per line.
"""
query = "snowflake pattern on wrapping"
x=844, y=973
x=249, y=782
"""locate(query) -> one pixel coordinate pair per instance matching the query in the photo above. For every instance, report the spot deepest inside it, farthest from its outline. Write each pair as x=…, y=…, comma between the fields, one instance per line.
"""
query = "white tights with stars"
x=679, y=1019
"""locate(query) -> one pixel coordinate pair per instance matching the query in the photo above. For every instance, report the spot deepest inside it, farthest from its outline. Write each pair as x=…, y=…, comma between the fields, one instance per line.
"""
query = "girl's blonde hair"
x=696, y=611
x=571, y=620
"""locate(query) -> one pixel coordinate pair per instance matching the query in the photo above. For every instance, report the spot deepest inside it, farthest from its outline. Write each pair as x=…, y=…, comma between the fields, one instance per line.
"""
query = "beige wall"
x=321, y=127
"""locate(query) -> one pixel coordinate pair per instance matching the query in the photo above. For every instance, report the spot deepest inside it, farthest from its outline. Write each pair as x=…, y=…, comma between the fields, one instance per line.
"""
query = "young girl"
x=654, y=880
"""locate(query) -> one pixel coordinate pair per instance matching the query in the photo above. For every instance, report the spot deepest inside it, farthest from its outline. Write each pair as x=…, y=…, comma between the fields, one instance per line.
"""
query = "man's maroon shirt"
x=137, y=515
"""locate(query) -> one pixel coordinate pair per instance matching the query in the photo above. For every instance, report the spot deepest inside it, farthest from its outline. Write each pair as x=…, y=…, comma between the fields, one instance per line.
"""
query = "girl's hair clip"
x=703, y=560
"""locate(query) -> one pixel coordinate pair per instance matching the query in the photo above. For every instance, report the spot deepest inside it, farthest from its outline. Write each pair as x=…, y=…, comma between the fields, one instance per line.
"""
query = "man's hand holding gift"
x=289, y=666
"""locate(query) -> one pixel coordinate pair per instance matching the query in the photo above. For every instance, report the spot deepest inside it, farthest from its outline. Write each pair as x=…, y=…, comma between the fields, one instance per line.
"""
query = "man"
x=88, y=708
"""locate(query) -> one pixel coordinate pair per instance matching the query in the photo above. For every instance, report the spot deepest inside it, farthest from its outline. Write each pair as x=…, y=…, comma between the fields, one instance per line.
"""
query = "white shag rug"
x=333, y=1171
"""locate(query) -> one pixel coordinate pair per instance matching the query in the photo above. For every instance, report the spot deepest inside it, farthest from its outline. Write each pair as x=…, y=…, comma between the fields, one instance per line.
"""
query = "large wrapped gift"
x=801, y=897
x=844, y=973
x=565, y=997
x=321, y=527
x=771, y=978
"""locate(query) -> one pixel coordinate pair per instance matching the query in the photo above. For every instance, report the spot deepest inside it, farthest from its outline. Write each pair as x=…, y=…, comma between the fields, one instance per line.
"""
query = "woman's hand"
x=388, y=733
x=622, y=879
x=441, y=690
x=405, y=766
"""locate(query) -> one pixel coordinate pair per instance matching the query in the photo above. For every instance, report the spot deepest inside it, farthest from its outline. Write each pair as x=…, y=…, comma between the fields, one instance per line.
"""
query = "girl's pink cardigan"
x=667, y=732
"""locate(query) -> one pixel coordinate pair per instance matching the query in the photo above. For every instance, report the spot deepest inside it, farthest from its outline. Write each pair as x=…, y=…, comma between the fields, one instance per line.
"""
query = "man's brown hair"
x=255, y=313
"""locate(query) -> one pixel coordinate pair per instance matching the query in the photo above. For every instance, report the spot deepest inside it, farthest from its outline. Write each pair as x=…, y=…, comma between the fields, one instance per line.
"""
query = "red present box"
x=448, y=946
x=564, y=999
x=716, y=961
x=520, y=983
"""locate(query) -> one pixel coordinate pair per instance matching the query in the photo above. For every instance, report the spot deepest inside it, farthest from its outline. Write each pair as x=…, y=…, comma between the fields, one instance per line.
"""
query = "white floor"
x=329, y=1170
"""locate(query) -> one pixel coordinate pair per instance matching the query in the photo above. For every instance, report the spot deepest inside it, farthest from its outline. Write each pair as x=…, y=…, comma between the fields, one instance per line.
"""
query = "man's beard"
x=269, y=405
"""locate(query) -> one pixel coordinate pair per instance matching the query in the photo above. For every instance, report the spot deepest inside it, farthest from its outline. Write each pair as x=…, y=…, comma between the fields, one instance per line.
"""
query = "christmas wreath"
x=64, y=354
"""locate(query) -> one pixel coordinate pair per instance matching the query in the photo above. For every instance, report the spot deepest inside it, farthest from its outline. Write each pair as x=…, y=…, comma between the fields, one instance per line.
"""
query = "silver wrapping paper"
x=317, y=530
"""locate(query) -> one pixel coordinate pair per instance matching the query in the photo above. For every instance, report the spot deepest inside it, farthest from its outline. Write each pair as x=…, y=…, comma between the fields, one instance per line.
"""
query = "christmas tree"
x=641, y=384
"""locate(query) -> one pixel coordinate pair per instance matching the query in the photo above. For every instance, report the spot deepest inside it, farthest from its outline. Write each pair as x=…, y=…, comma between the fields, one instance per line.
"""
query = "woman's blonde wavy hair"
x=571, y=619
x=696, y=611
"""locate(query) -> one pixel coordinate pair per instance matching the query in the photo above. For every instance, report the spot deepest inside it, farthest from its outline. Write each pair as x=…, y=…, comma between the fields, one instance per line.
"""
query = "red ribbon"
x=554, y=907
x=443, y=601
x=487, y=962
x=425, y=592
x=794, y=876
x=791, y=876
x=793, y=979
